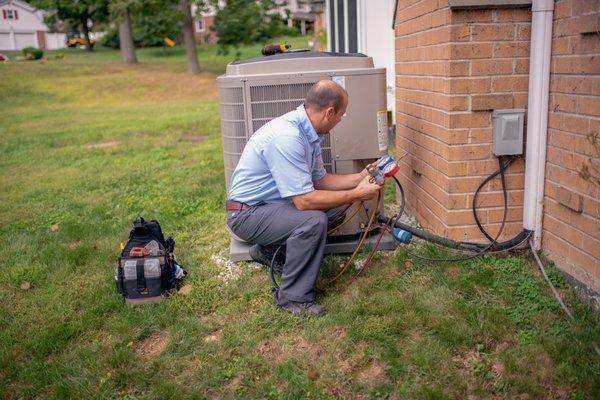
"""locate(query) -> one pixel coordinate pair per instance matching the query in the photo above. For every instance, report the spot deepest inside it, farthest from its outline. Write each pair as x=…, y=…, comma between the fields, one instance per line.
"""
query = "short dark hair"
x=325, y=94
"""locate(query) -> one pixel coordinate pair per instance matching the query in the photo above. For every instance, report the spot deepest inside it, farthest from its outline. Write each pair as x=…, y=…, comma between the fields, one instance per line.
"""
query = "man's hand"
x=366, y=189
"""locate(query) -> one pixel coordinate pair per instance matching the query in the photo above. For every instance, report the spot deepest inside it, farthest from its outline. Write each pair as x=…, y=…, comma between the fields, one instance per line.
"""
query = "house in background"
x=21, y=25
x=307, y=15
x=203, y=22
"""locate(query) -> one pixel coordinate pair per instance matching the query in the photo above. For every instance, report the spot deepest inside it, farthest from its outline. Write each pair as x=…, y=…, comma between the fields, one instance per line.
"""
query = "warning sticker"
x=382, y=130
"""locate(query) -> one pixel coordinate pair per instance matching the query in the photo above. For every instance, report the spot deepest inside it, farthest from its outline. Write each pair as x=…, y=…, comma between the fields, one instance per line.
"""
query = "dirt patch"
x=373, y=372
x=194, y=139
x=213, y=337
x=153, y=345
x=74, y=245
x=281, y=348
x=104, y=145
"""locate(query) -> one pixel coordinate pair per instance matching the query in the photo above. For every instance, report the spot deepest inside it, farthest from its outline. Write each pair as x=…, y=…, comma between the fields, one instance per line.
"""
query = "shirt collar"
x=306, y=126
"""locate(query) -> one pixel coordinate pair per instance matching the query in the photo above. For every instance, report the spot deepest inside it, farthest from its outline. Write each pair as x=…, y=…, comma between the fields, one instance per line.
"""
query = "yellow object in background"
x=168, y=42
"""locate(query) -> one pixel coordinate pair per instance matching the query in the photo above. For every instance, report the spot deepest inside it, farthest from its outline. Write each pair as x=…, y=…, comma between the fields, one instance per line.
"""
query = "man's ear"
x=329, y=112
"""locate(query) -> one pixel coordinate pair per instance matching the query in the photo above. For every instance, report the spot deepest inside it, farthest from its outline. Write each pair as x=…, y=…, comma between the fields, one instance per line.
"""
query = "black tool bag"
x=146, y=269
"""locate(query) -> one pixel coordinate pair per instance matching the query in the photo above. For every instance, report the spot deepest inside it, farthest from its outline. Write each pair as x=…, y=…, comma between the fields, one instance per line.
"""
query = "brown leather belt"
x=233, y=205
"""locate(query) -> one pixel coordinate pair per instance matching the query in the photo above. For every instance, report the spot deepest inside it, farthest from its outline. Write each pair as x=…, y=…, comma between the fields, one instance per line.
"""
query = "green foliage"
x=75, y=13
x=243, y=22
x=32, y=53
x=151, y=22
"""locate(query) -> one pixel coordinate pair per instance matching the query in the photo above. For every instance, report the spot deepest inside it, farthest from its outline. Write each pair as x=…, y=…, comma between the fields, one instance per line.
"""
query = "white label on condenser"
x=340, y=80
x=382, y=130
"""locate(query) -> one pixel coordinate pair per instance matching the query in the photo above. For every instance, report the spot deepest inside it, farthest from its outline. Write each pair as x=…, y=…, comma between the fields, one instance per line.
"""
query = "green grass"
x=87, y=144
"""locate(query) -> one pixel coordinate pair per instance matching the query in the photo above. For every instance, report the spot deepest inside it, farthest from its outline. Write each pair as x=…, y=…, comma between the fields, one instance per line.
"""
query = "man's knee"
x=317, y=221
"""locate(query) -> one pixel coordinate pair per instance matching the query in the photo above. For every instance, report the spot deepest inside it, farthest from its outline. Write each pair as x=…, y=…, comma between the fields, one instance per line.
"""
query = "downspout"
x=537, y=116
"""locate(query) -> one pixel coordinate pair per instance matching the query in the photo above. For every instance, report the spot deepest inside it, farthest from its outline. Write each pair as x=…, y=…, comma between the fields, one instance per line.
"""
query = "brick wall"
x=571, y=225
x=453, y=68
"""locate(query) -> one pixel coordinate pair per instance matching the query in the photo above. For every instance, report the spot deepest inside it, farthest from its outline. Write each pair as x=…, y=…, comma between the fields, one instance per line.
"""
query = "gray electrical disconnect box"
x=508, y=131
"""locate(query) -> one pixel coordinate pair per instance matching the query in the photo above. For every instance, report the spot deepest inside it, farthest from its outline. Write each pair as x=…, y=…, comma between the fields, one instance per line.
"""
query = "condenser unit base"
x=238, y=250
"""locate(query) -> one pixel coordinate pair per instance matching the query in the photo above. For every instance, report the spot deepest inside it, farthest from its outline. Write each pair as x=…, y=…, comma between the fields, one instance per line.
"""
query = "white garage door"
x=25, y=40
x=5, y=43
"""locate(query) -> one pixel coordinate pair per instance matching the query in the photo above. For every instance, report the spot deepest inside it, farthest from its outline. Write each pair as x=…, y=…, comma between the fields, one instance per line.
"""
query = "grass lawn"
x=87, y=144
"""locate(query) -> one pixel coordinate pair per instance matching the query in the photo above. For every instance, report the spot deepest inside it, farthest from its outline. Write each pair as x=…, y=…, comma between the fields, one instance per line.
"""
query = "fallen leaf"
x=186, y=290
x=25, y=285
x=54, y=228
x=312, y=374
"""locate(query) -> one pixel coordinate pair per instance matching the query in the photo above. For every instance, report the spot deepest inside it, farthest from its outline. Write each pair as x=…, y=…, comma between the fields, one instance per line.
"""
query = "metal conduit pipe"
x=537, y=116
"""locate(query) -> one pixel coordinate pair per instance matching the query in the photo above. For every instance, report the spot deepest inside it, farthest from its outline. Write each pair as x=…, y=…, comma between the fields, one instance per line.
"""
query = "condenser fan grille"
x=271, y=101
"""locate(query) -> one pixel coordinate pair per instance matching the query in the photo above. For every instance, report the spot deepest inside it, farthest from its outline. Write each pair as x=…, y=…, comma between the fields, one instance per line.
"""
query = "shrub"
x=31, y=53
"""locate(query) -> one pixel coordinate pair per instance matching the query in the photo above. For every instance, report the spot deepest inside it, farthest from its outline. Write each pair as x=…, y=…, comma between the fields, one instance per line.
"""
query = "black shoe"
x=264, y=256
x=307, y=307
x=298, y=307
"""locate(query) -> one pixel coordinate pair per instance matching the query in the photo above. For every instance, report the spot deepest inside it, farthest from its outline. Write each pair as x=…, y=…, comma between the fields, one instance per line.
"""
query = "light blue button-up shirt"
x=281, y=160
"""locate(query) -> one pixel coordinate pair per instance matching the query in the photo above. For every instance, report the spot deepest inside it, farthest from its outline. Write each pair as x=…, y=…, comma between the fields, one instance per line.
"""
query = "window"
x=200, y=25
x=10, y=14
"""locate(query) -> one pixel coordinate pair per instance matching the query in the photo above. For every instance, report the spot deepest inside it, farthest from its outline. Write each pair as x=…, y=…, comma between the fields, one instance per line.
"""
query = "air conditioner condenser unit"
x=254, y=91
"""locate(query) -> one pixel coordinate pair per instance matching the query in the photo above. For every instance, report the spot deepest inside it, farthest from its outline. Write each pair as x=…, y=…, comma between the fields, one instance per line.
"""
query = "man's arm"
x=324, y=199
x=340, y=182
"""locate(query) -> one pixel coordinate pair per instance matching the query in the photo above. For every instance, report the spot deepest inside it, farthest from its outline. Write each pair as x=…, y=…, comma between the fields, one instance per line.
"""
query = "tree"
x=246, y=22
x=78, y=14
x=126, y=39
x=120, y=11
x=187, y=29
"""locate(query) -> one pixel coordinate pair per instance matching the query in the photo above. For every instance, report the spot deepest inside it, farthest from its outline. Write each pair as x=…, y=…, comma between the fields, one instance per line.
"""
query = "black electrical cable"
x=461, y=245
x=272, y=268
x=402, y=200
x=502, y=168
x=494, y=240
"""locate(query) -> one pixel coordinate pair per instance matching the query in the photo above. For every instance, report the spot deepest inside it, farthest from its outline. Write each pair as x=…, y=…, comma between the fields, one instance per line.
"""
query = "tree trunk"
x=86, y=31
x=188, y=38
x=126, y=39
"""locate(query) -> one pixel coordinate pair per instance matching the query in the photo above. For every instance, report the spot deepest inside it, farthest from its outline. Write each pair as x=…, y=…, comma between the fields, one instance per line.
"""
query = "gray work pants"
x=303, y=233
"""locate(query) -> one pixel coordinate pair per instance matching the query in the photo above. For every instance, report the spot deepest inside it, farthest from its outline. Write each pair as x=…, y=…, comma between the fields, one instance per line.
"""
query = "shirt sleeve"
x=287, y=160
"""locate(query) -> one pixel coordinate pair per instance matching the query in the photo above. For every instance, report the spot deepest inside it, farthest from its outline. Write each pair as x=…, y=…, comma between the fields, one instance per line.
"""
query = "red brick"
x=592, y=247
x=509, y=83
x=486, y=33
x=470, y=120
x=491, y=67
x=585, y=6
x=569, y=199
x=523, y=32
x=470, y=152
x=591, y=207
x=458, y=68
x=564, y=231
x=512, y=15
x=511, y=49
x=491, y=102
x=584, y=44
x=586, y=85
x=521, y=66
x=461, y=51
x=460, y=16
x=588, y=64
x=469, y=85
x=416, y=10
x=513, y=214
x=480, y=135
x=460, y=33
x=562, y=9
